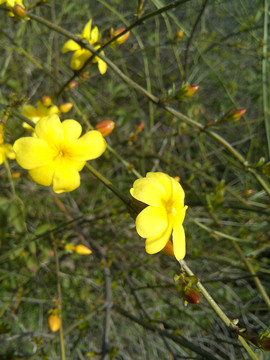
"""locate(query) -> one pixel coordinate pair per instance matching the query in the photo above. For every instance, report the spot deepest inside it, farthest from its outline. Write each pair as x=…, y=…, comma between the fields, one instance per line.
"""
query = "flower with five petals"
x=56, y=154
x=81, y=55
x=164, y=214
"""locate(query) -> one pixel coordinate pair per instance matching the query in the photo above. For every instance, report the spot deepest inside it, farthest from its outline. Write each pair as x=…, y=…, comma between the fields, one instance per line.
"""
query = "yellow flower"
x=164, y=215
x=56, y=154
x=6, y=150
x=81, y=55
x=37, y=113
x=12, y=3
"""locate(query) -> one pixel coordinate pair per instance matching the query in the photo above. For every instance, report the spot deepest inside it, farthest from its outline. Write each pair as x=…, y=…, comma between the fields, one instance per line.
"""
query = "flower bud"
x=191, y=296
x=46, y=100
x=238, y=113
x=54, y=322
x=179, y=34
x=19, y=11
x=82, y=250
x=191, y=90
x=121, y=39
x=105, y=127
x=66, y=107
x=168, y=249
x=72, y=84
x=15, y=175
x=264, y=343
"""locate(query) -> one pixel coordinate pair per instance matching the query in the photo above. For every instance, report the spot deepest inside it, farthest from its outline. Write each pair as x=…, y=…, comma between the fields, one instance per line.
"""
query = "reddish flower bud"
x=19, y=11
x=84, y=75
x=66, y=107
x=140, y=127
x=72, y=84
x=168, y=249
x=191, y=90
x=54, y=322
x=238, y=113
x=121, y=39
x=264, y=343
x=15, y=175
x=105, y=127
x=46, y=100
x=191, y=296
x=82, y=250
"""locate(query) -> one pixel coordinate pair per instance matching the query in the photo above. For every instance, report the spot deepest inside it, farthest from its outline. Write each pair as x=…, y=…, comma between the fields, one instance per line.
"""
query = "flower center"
x=171, y=209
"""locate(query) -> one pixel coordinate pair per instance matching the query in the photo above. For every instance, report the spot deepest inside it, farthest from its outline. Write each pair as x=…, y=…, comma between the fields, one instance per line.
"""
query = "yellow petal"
x=94, y=36
x=179, y=217
x=66, y=177
x=79, y=58
x=49, y=128
x=102, y=66
x=148, y=191
x=156, y=244
x=9, y=152
x=71, y=129
x=178, y=193
x=87, y=30
x=164, y=179
x=90, y=146
x=32, y=152
x=29, y=111
x=52, y=110
x=179, y=242
x=151, y=222
x=44, y=175
x=70, y=45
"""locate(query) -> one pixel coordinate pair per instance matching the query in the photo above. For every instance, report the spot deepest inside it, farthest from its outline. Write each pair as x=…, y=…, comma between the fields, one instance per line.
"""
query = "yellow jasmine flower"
x=164, y=214
x=12, y=3
x=37, y=113
x=56, y=154
x=81, y=55
x=6, y=150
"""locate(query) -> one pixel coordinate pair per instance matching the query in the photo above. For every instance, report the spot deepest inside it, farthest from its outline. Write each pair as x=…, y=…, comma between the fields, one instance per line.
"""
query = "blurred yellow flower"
x=81, y=55
x=36, y=113
x=164, y=214
x=56, y=154
x=12, y=3
x=6, y=150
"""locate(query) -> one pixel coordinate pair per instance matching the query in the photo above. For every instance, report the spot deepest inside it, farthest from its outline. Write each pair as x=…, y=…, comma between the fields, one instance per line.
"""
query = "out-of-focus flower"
x=81, y=55
x=72, y=84
x=164, y=214
x=105, y=127
x=179, y=34
x=46, y=100
x=56, y=154
x=6, y=150
x=121, y=39
x=12, y=3
x=54, y=322
x=19, y=11
x=36, y=113
x=79, y=249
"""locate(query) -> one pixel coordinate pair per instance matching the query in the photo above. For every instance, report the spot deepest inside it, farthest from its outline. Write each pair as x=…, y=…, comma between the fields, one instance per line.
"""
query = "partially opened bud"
x=82, y=250
x=46, y=100
x=105, y=127
x=121, y=39
x=191, y=90
x=179, y=34
x=238, y=113
x=168, y=249
x=19, y=11
x=191, y=296
x=54, y=322
x=66, y=107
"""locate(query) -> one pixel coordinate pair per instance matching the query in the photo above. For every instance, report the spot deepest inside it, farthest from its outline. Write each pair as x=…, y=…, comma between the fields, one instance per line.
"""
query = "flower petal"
x=87, y=30
x=66, y=177
x=44, y=175
x=180, y=214
x=151, y=222
x=94, y=36
x=79, y=58
x=90, y=146
x=156, y=244
x=49, y=128
x=72, y=130
x=70, y=45
x=148, y=191
x=179, y=242
x=164, y=179
x=178, y=192
x=29, y=111
x=9, y=152
x=32, y=152
x=102, y=66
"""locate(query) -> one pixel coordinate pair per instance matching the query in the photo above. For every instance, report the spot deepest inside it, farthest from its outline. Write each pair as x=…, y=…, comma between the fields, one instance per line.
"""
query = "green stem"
x=10, y=178
x=218, y=310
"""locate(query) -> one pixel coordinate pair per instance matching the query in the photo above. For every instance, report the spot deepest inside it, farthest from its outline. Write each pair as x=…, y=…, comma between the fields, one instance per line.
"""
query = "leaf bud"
x=105, y=127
